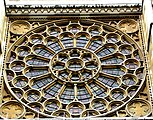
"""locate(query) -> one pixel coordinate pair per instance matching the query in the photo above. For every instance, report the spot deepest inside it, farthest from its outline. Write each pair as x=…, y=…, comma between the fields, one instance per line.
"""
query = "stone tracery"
x=64, y=68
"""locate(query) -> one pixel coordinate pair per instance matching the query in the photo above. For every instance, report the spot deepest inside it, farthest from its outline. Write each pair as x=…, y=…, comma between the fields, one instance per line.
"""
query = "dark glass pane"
x=67, y=42
x=38, y=84
x=35, y=73
x=97, y=90
x=51, y=106
x=113, y=71
x=83, y=95
x=68, y=95
x=43, y=52
x=118, y=95
x=106, y=51
x=114, y=60
x=108, y=81
x=81, y=41
x=54, y=46
x=95, y=44
x=36, y=61
x=53, y=90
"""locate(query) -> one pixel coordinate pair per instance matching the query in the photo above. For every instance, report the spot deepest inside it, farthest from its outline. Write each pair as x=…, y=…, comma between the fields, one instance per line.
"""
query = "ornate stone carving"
x=74, y=68
x=72, y=9
x=128, y=25
x=139, y=107
x=11, y=110
x=20, y=27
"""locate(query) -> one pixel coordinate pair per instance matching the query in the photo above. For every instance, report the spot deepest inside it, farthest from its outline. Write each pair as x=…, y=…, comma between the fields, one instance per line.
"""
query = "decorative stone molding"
x=73, y=9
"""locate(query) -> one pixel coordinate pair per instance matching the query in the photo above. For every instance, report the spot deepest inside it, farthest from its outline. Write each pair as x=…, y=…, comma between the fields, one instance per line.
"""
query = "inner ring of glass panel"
x=75, y=64
x=71, y=64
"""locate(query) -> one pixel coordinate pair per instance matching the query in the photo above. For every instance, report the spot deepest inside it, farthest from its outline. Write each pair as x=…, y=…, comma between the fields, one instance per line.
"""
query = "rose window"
x=74, y=69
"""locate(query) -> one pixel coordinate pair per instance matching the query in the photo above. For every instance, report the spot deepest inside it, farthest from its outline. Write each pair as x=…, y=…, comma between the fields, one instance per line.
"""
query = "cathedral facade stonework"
x=75, y=61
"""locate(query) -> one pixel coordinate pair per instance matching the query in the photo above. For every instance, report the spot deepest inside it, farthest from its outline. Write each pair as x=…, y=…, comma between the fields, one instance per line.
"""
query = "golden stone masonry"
x=76, y=61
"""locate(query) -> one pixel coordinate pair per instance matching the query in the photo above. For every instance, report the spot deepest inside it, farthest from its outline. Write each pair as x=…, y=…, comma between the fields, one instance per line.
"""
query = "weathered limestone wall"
x=2, y=35
x=147, y=20
x=2, y=17
x=2, y=24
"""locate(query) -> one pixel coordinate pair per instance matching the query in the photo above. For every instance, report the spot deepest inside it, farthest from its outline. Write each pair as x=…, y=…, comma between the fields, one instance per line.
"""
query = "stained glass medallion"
x=74, y=69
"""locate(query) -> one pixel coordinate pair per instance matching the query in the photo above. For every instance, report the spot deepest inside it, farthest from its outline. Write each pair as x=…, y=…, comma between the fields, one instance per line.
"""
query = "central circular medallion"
x=75, y=65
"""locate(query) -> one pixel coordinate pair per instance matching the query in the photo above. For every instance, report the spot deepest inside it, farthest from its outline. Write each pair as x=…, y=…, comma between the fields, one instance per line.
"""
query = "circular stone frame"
x=104, y=68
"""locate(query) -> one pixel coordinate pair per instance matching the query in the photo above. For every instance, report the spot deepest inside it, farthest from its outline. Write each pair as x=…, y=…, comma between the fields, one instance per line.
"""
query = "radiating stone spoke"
x=109, y=81
x=116, y=70
x=35, y=71
x=36, y=60
x=115, y=59
x=97, y=90
x=68, y=94
x=40, y=82
x=83, y=95
x=51, y=91
x=105, y=50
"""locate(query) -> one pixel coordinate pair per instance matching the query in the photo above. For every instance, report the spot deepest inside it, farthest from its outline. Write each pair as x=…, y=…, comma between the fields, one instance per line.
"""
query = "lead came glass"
x=83, y=95
x=43, y=52
x=38, y=84
x=106, y=51
x=95, y=44
x=54, y=45
x=67, y=41
x=35, y=73
x=97, y=90
x=36, y=61
x=52, y=90
x=68, y=95
x=111, y=82
x=81, y=41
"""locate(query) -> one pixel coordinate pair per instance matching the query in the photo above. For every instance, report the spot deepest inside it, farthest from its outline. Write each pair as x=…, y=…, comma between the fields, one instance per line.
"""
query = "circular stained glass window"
x=74, y=69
